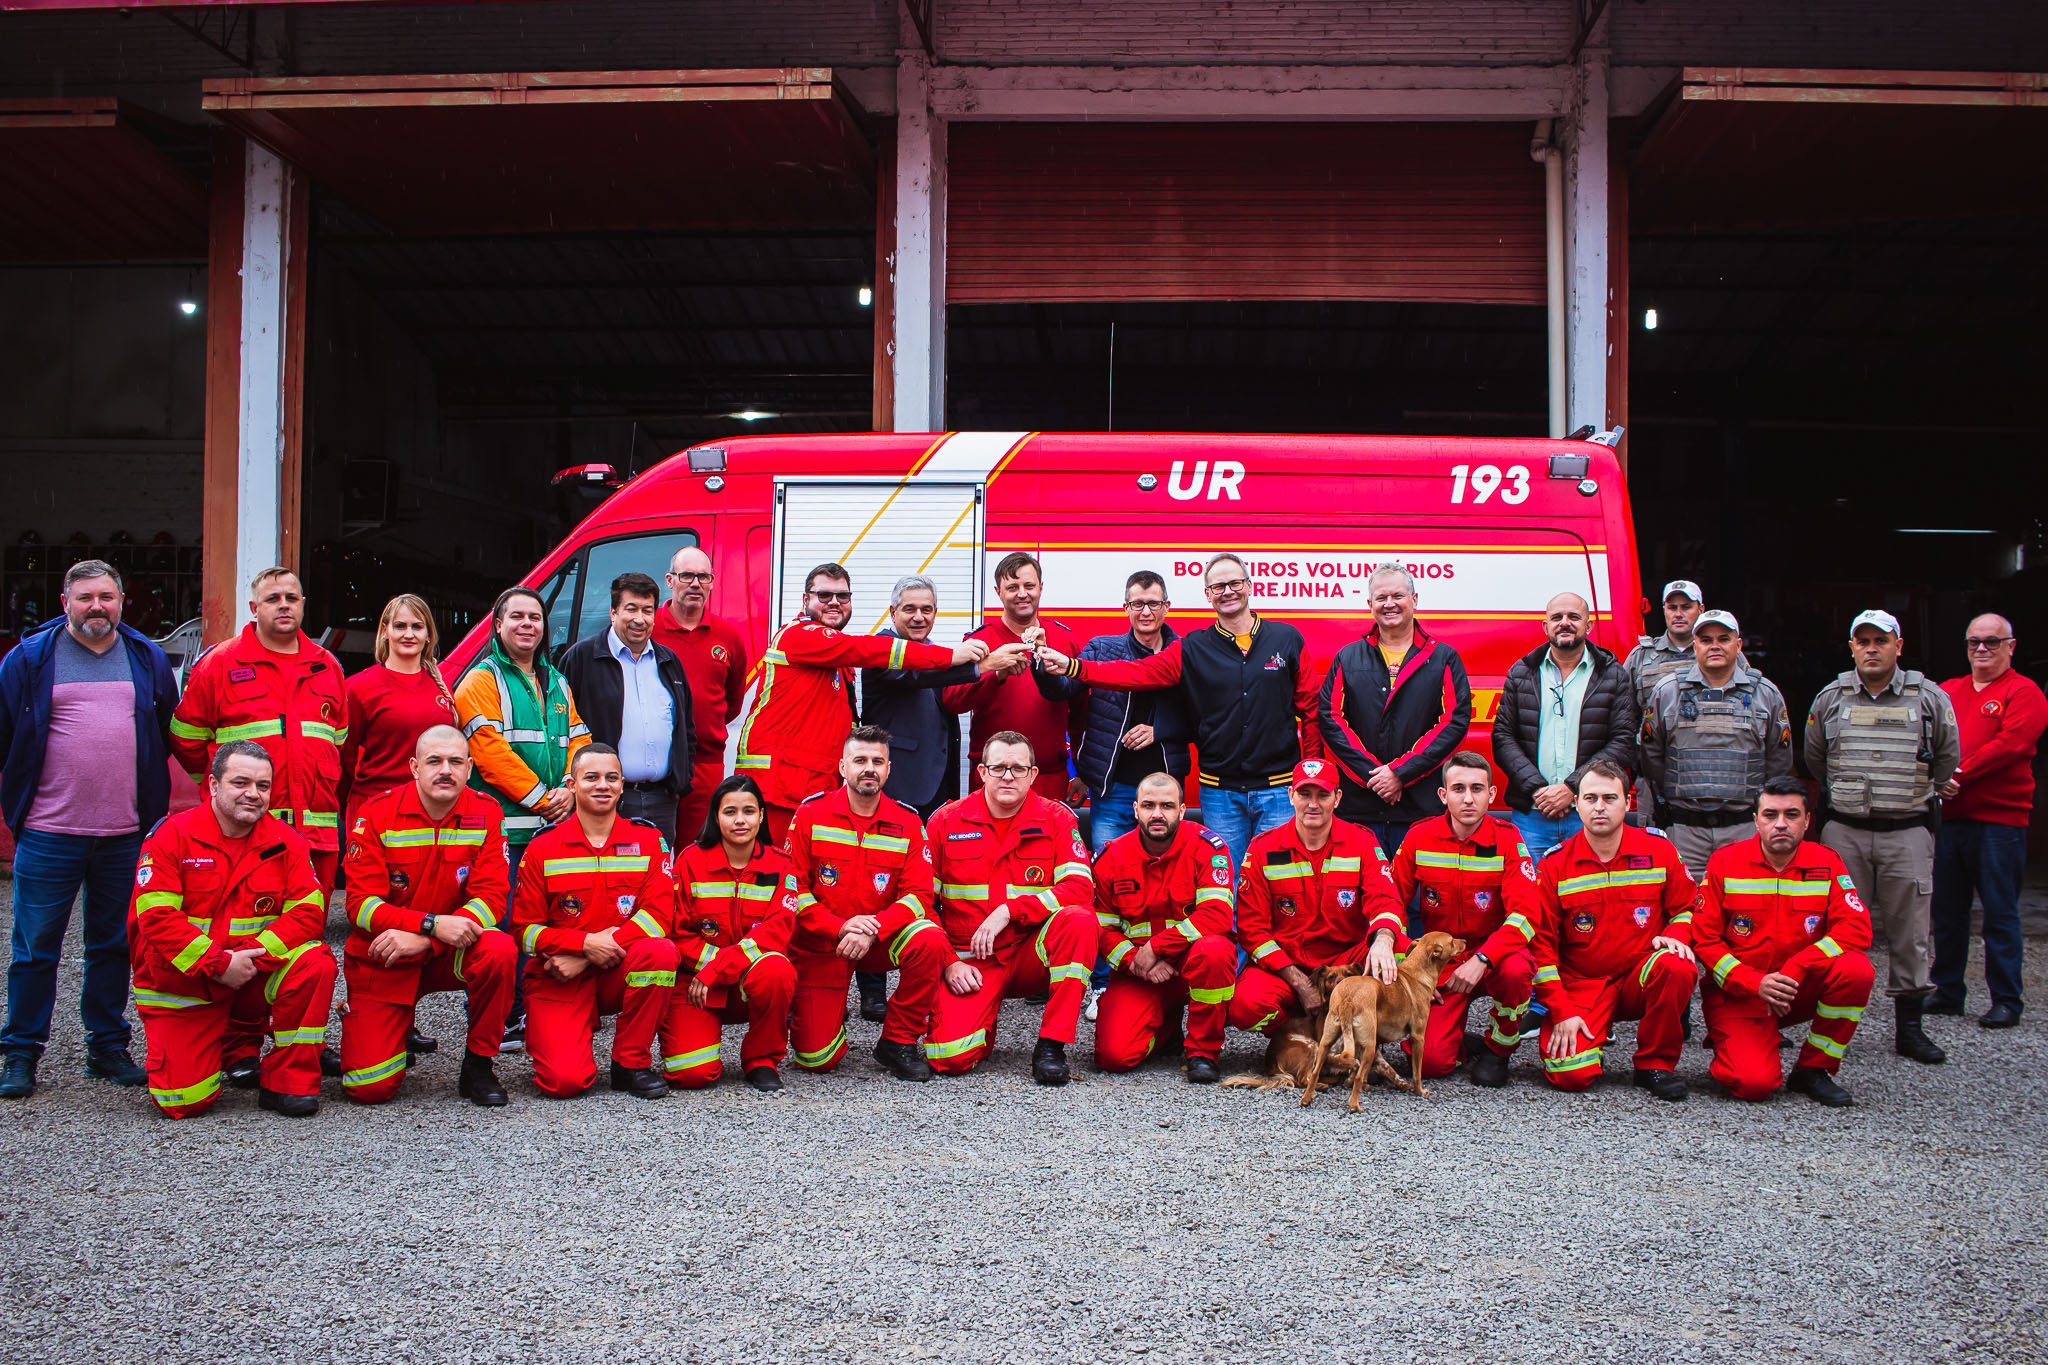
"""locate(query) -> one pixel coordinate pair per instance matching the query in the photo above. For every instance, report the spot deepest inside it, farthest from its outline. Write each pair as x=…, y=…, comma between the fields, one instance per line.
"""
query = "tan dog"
x=1289, y=1052
x=1366, y=1012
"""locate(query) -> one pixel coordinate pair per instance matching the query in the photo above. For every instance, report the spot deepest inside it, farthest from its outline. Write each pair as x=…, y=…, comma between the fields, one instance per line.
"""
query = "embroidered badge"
x=266, y=905
x=1285, y=905
x=245, y=674
x=881, y=883
x=1345, y=899
x=1482, y=899
x=1812, y=923
x=828, y=875
x=626, y=904
x=570, y=905
x=708, y=928
x=1742, y=925
x=1582, y=922
x=1641, y=915
x=1034, y=874
x=720, y=653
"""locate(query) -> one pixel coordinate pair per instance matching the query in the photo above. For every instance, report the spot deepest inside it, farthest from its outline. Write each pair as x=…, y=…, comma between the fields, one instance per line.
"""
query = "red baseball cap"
x=1314, y=772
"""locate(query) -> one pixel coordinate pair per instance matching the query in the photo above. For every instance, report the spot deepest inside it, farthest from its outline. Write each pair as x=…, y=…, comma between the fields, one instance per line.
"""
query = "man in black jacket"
x=634, y=696
x=1561, y=707
x=1395, y=705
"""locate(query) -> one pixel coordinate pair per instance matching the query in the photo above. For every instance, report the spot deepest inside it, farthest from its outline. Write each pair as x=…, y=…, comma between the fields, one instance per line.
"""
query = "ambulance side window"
x=608, y=559
x=558, y=596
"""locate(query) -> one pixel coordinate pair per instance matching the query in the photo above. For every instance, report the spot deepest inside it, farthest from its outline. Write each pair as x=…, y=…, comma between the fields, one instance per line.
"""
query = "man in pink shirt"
x=1982, y=847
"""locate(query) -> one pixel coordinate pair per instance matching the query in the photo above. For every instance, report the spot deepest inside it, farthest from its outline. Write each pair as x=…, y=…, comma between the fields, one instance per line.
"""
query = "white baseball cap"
x=1683, y=585
x=1717, y=618
x=1883, y=620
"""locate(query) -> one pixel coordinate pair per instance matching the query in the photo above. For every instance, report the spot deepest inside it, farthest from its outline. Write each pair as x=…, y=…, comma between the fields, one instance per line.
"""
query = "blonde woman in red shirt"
x=391, y=704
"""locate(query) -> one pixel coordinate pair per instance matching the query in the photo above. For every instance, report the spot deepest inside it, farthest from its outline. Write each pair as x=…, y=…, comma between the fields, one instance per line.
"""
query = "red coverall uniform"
x=296, y=707
x=791, y=740
x=1180, y=904
x=1036, y=866
x=714, y=659
x=1593, y=954
x=844, y=865
x=1806, y=922
x=200, y=896
x=402, y=867
x=1013, y=702
x=569, y=889
x=732, y=933
x=1482, y=890
x=1301, y=909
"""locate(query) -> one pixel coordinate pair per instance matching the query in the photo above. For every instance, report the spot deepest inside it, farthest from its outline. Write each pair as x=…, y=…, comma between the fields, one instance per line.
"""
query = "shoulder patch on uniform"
x=1652, y=829
x=816, y=796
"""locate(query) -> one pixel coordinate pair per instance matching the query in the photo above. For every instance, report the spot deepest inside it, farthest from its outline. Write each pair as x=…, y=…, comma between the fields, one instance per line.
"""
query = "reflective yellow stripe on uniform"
x=1828, y=1045
x=1520, y=924
x=964, y=891
x=825, y=1054
x=1283, y=871
x=313, y=729
x=1120, y=952
x=185, y=730
x=1547, y=974
x=1460, y=862
x=1853, y=1013
x=370, y=1075
x=639, y=979
x=1212, y=895
x=193, y=953
x=529, y=938
x=368, y=909
x=255, y=729
x=478, y=911
x=902, y=940
x=1573, y=1061
x=291, y=960
x=648, y=924
x=683, y=1061
x=1595, y=881
x=1066, y=870
x=1723, y=965
x=294, y=1036
x=1211, y=995
x=1265, y=950
x=192, y=1094
x=940, y=1051
x=1828, y=946
x=1343, y=864
x=1773, y=886
x=164, y=1000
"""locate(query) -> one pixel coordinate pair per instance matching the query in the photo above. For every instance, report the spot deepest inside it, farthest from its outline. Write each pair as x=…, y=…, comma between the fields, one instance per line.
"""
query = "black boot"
x=874, y=995
x=1661, y=1084
x=1489, y=1069
x=1935, y=1004
x=764, y=1079
x=904, y=1061
x=1908, y=1038
x=330, y=1062
x=242, y=1074
x=114, y=1064
x=1203, y=1071
x=419, y=1044
x=291, y=1106
x=1685, y=1023
x=1049, y=1062
x=479, y=1083
x=1818, y=1086
x=643, y=1082
x=18, y=1077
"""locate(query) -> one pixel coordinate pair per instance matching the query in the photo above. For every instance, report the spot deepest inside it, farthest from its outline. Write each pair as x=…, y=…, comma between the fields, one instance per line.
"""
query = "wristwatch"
x=427, y=925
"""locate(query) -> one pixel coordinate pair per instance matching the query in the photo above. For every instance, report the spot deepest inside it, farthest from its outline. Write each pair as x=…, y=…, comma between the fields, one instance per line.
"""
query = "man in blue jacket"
x=85, y=722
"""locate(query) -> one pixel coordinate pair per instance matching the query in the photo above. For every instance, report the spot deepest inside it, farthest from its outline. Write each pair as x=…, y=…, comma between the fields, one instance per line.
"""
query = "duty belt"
x=1886, y=824
x=661, y=786
x=1711, y=819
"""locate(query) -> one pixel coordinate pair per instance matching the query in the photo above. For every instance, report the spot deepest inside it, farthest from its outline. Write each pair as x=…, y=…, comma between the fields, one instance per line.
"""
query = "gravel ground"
x=855, y=1218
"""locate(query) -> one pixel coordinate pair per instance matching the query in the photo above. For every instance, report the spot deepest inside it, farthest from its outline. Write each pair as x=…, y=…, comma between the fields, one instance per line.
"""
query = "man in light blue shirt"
x=633, y=694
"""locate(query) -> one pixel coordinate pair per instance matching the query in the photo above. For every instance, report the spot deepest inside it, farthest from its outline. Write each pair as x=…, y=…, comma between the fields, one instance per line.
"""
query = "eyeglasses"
x=1145, y=604
x=1228, y=585
x=1557, y=698
x=691, y=577
x=846, y=596
x=1987, y=642
x=1006, y=770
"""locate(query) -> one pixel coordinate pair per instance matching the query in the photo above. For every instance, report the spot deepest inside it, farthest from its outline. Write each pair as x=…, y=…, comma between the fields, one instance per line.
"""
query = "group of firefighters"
x=805, y=870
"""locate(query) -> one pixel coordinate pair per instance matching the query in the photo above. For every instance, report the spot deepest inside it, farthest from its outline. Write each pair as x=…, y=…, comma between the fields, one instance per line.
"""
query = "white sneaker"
x=1088, y=1007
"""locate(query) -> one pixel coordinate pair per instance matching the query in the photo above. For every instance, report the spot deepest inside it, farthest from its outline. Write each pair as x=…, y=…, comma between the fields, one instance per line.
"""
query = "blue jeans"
x=1543, y=833
x=1991, y=861
x=1237, y=818
x=1112, y=815
x=49, y=869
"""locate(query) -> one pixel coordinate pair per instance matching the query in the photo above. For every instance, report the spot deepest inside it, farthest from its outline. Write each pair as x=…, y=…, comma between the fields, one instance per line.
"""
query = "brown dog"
x=1366, y=1012
x=1289, y=1052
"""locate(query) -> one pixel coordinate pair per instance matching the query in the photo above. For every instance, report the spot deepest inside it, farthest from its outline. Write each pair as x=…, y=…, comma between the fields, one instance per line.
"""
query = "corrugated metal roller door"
x=1064, y=211
x=881, y=531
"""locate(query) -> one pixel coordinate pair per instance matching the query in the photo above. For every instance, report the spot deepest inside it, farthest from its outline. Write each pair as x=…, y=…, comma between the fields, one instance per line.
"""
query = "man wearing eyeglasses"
x=1562, y=706
x=803, y=711
x=714, y=659
x=1881, y=741
x=1248, y=684
x=1986, y=803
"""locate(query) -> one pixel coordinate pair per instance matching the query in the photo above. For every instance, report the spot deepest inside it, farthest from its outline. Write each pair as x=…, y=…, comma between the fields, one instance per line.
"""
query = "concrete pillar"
x=918, y=360
x=1586, y=209
x=256, y=271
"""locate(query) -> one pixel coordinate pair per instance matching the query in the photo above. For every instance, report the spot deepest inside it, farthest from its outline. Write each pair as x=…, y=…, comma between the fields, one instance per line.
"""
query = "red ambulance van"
x=1490, y=528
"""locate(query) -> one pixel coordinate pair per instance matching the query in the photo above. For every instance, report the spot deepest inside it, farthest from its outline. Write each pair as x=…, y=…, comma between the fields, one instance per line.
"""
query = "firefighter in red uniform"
x=1783, y=934
x=226, y=920
x=804, y=707
x=1014, y=898
x=427, y=885
x=592, y=910
x=1311, y=892
x=732, y=924
x=1613, y=942
x=862, y=874
x=273, y=685
x=1477, y=884
x=1163, y=898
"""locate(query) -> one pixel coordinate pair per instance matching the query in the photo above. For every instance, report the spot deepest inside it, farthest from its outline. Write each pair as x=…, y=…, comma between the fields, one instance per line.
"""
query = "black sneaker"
x=419, y=1044
x=479, y=1083
x=1936, y=1005
x=17, y=1076
x=330, y=1062
x=1203, y=1071
x=1049, y=1063
x=114, y=1064
x=291, y=1106
x=1489, y=1069
x=764, y=1079
x=642, y=1082
x=874, y=996
x=514, y=1039
x=904, y=1061
x=243, y=1073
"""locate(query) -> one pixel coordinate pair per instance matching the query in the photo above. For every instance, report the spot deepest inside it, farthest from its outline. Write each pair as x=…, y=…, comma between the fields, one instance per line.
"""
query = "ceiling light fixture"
x=187, y=307
x=867, y=296
x=751, y=415
x=1649, y=319
x=1946, y=531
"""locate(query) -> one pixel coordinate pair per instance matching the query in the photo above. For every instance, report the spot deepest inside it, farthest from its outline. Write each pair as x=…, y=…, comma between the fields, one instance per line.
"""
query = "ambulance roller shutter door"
x=881, y=530
x=1074, y=212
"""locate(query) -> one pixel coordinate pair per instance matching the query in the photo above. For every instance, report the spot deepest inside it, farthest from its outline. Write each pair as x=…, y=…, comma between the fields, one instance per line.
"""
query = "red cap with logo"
x=1314, y=772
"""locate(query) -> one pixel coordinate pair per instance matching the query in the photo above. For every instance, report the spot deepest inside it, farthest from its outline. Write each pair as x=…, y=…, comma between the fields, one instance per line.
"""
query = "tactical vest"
x=536, y=730
x=1716, y=754
x=1656, y=665
x=1877, y=752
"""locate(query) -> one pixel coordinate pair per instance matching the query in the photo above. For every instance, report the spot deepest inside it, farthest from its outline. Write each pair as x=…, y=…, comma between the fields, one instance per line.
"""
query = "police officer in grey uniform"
x=1657, y=657
x=1882, y=739
x=1712, y=732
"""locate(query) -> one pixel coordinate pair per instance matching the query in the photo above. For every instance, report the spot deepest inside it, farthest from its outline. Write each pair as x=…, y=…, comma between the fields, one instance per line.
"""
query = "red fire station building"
x=342, y=285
